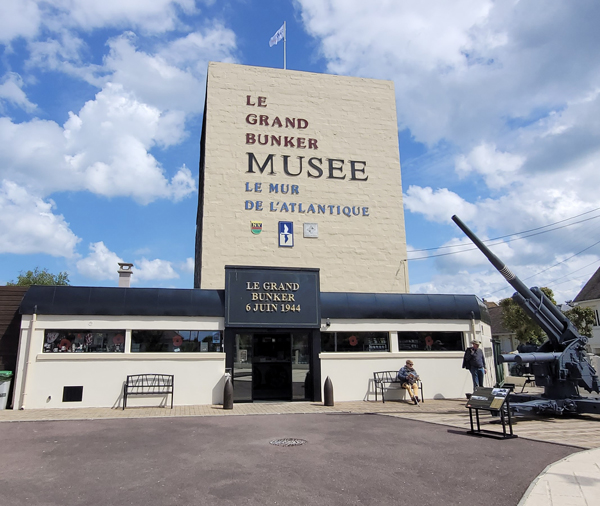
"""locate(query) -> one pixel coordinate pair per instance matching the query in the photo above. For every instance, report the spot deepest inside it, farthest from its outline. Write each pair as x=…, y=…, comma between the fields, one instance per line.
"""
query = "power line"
x=565, y=260
x=553, y=282
x=519, y=233
x=490, y=243
x=573, y=272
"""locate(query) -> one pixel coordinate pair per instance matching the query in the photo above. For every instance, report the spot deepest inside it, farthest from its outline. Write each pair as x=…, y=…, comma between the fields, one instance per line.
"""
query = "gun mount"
x=560, y=364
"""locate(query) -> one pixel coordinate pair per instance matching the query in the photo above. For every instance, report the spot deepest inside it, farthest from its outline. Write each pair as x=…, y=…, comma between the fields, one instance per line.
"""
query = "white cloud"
x=11, y=91
x=463, y=69
x=28, y=225
x=102, y=264
x=196, y=49
x=506, y=93
x=438, y=205
x=174, y=77
x=145, y=269
x=27, y=149
x=188, y=266
x=25, y=18
x=103, y=149
x=152, y=79
x=65, y=52
x=463, y=281
x=142, y=106
x=498, y=168
x=20, y=18
x=488, y=283
x=152, y=15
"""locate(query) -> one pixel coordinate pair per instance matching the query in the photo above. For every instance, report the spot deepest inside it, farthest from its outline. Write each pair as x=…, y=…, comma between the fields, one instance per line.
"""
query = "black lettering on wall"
x=252, y=160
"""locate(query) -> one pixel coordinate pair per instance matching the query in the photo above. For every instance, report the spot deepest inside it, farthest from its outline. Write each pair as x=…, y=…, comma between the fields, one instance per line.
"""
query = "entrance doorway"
x=272, y=366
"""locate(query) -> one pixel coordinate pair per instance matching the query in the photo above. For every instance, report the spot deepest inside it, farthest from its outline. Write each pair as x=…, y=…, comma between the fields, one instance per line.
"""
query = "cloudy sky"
x=498, y=112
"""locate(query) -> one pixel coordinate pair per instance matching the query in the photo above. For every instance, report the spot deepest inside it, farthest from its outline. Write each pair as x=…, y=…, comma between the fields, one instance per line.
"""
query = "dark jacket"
x=474, y=359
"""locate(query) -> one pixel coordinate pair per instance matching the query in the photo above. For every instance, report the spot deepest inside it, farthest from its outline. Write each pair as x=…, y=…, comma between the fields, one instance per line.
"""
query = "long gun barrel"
x=528, y=358
x=515, y=282
x=537, y=358
x=556, y=325
x=560, y=364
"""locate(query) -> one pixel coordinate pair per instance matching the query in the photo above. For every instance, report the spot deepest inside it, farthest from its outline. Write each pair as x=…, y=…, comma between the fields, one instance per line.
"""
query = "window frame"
x=369, y=339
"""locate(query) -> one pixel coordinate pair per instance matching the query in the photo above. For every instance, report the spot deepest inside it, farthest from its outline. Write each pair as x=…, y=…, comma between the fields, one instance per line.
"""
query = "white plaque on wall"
x=311, y=230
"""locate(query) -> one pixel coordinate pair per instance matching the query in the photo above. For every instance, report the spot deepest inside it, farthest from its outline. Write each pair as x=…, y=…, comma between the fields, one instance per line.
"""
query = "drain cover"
x=288, y=441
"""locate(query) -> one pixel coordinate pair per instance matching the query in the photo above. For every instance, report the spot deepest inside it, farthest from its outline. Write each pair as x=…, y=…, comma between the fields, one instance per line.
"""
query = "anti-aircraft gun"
x=560, y=364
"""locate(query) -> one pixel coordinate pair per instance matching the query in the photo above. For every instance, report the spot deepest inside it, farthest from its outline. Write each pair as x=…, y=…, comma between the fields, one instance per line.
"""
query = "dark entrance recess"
x=273, y=365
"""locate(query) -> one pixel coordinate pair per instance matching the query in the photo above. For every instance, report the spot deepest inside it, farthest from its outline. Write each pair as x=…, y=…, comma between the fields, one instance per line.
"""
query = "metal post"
x=284, y=44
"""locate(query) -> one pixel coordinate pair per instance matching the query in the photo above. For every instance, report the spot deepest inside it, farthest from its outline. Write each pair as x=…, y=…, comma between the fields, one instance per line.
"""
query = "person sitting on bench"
x=408, y=376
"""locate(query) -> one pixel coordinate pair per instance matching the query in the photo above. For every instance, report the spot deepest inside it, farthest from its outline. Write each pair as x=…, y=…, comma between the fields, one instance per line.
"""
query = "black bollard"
x=228, y=393
x=328, y=393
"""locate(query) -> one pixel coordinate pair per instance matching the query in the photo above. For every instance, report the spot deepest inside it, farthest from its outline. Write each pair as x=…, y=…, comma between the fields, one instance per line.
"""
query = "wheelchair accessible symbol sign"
x=286, y=234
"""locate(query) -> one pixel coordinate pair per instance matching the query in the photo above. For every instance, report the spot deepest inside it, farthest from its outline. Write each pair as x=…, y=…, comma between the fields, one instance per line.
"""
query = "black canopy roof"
x=96, y=301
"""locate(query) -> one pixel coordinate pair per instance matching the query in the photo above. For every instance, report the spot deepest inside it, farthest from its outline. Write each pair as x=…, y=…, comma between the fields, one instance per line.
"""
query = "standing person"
x=474, y=360
x=408, y=376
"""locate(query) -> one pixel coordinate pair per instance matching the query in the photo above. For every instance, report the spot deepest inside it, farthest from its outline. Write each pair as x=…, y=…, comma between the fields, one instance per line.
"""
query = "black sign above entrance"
x=272, y=297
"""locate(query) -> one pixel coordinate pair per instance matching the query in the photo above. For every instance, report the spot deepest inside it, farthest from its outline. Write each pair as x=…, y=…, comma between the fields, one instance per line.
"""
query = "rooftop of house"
x=496, y=318
x=591, y=289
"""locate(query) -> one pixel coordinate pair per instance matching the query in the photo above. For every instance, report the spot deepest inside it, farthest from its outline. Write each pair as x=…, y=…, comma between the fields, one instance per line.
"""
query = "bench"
x=519, y=381
x=148, y=384
x=383, y=378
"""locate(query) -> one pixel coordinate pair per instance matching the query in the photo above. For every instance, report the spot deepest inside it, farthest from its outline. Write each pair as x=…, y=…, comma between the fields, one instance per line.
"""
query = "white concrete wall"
x=198, y=376
x=441, y=372
x=352, y=374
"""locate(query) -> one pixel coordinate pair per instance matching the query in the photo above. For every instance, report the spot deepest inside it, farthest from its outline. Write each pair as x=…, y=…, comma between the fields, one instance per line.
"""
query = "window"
x=430, y=341
x=355, y=341
x=144, y=341
x=84, y=341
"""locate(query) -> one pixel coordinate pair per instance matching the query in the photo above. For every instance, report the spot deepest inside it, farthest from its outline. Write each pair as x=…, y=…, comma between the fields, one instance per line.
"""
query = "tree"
x=527, y=331
x=40, y=277
x=583, y=318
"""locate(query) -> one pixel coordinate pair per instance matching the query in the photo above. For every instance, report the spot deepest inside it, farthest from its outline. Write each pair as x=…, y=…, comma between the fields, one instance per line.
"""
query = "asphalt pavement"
x=347, y=459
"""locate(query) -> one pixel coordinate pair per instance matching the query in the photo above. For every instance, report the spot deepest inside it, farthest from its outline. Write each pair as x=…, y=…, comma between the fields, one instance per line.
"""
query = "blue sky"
x=498, y=106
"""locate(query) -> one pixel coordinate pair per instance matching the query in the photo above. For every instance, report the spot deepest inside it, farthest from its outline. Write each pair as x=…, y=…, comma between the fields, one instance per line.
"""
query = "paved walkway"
x=574, y=480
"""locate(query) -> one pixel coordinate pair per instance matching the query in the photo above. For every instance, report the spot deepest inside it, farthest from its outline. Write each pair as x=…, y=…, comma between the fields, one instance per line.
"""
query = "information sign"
x=496, y=401
x=488, y=398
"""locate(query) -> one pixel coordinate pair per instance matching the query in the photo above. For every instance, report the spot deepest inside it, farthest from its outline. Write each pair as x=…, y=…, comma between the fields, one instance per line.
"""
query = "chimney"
x=125, y=273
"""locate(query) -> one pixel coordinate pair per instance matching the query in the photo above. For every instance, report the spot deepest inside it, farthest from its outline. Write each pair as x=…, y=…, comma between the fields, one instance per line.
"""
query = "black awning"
x=96, y=301
x=404, y=306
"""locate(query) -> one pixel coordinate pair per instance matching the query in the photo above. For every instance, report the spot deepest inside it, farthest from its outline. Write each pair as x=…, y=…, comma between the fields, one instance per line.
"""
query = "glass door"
x=301, y=380
x=242, y=368
x=272, y=367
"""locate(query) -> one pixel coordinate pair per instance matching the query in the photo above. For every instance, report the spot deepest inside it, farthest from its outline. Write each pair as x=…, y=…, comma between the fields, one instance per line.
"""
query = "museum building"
x=300, y=268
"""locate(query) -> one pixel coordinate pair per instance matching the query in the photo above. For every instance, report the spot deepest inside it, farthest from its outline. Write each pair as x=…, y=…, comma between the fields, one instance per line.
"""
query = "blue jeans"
x=477, y=374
